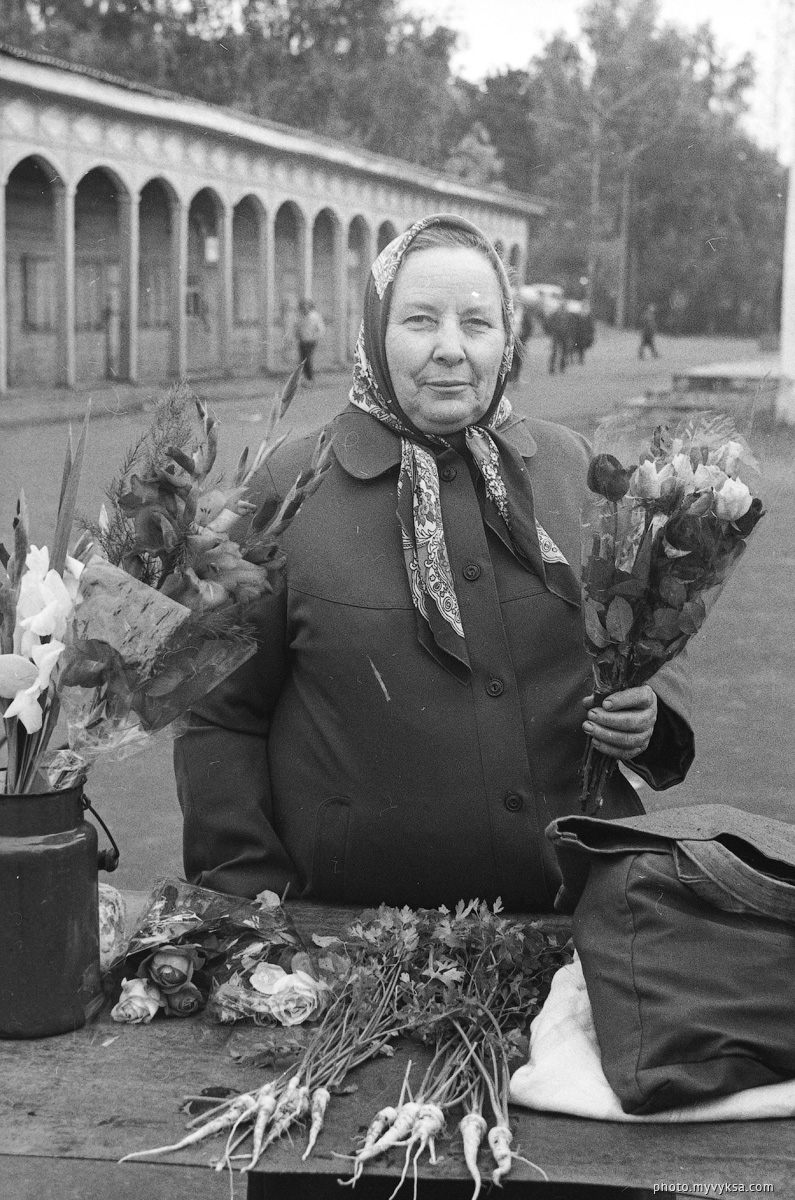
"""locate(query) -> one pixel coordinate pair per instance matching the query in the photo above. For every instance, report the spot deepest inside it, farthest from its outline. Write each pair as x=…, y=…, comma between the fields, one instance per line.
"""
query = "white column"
x=788, y=293
x=179, y=287
x=225, y=267
x=268, y=259
x=129, y=242
x=64, y=204
x=3, y=296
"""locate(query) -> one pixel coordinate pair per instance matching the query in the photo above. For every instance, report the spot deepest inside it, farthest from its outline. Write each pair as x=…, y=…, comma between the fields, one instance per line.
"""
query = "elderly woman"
x=413, y=718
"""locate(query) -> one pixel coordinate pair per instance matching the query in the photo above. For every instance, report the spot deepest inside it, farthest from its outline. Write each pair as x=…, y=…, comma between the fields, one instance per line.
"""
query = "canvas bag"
x=684, y=921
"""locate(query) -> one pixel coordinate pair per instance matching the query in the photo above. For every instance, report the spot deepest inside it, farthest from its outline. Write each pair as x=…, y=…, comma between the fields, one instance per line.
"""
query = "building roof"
x=91, y=85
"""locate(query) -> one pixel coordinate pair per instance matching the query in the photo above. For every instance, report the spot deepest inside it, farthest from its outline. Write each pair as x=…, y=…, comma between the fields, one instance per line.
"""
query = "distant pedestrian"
x=522, y=331
x=309, y=330
x=560, y=327
x=584, y=331
x=648, y=331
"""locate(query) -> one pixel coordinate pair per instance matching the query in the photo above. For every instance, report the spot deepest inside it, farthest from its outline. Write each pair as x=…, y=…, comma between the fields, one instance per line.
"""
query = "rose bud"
x=708, y=477
x=171, y=966
x=296, y=998
x=746, y=523
x=607, y=477
x=701, y=504
x=732, y=500
x=184, y=1002
x=138, y=1003
x=645, y=482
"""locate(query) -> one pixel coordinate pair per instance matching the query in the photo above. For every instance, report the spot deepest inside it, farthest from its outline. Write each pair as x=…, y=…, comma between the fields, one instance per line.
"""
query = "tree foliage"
x=633, y=130
x=650, y=118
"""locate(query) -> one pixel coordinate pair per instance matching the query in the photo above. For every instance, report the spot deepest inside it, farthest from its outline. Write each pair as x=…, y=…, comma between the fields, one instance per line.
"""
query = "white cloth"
x=565, y=1075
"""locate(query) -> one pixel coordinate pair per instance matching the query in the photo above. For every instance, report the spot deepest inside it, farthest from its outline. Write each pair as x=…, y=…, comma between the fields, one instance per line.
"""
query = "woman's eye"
x=477, y=323
x=420, y=320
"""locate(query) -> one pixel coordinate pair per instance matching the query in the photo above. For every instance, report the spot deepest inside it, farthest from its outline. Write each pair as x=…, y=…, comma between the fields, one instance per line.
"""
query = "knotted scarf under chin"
x=509, y=512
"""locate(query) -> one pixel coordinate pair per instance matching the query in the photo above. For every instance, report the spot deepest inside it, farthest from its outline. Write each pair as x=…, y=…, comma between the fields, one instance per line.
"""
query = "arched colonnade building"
x=144, y=235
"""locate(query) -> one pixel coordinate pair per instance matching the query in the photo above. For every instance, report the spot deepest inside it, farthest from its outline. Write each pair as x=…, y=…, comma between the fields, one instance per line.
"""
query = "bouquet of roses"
x=153, y=609
x=240, y=958
x=659, y=541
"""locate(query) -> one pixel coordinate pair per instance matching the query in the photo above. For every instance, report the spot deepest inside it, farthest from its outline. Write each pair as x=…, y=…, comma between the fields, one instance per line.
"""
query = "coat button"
x=449, y=474
x=495, y=687
x=513, y=802
x=471, y=571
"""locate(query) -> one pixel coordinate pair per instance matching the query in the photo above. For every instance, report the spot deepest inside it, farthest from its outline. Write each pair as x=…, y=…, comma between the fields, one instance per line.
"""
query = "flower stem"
x=596, y=772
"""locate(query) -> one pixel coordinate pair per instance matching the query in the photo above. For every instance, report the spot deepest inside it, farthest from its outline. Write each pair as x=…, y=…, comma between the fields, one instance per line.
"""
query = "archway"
x=248, y=287
x=359, y=256
x=155, y=279
x=386, y=233
x=32, y=274
x=289, y=286
x=203, y=298
x=325, y=239
x=515, y=265
x=98, y=298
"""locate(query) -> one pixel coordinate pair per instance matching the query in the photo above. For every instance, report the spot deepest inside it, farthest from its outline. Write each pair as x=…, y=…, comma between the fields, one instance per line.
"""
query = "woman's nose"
x=449, y=346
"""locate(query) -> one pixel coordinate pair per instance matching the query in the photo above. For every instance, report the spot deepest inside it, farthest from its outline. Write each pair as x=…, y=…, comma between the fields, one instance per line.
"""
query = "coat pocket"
x=330, y=848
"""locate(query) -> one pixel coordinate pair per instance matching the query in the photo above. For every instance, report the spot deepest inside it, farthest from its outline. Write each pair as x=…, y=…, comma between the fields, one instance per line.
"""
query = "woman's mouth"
x=447, y=385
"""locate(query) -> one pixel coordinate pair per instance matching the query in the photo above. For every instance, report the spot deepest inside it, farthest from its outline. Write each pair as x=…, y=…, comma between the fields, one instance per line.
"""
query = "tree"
x=503, y=106
x=609, y=108
x=475, y=159
x=365, y=70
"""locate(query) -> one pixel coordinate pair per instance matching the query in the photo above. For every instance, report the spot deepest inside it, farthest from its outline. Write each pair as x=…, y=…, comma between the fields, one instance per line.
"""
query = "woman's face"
x=445, y=337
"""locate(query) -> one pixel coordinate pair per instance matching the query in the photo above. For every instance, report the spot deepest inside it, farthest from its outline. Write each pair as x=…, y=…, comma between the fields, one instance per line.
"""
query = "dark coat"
x=345, y=760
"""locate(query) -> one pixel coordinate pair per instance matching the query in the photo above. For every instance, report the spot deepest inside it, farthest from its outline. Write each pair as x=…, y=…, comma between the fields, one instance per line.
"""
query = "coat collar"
x=365, y=448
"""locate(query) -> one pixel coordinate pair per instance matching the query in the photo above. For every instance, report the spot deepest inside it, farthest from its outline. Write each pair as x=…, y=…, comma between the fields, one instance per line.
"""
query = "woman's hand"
x=623, y=726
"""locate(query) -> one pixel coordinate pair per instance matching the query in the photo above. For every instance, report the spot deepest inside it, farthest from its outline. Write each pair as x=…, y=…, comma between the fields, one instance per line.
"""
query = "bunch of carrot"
x=464, y=983
x=476, y=982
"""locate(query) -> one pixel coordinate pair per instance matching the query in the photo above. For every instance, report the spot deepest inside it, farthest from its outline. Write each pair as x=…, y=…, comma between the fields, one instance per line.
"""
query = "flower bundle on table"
x=465, y=983
x=38, y=594
x=154, y=607
x=659, y=542
x=195, y=948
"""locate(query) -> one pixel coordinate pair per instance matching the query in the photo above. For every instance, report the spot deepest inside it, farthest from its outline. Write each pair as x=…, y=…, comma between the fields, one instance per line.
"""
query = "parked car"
x=543, y=298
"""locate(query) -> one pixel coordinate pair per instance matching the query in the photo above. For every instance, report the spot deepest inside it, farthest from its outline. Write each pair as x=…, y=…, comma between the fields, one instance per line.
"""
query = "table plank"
x=25, y=1178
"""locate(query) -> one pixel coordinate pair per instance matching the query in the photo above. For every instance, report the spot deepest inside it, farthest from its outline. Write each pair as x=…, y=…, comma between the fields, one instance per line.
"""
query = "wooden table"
x=73, y=1105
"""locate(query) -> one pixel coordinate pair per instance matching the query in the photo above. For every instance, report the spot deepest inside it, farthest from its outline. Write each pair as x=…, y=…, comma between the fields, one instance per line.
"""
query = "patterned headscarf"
x=509, y=508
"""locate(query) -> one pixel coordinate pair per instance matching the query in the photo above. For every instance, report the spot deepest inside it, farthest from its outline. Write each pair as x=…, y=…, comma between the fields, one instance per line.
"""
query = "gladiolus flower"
x=16, y=674
x=45, y=600
x=732, y=501
x=211, y=594
x=210, y=505
x=25, y=704
x=224, y=521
